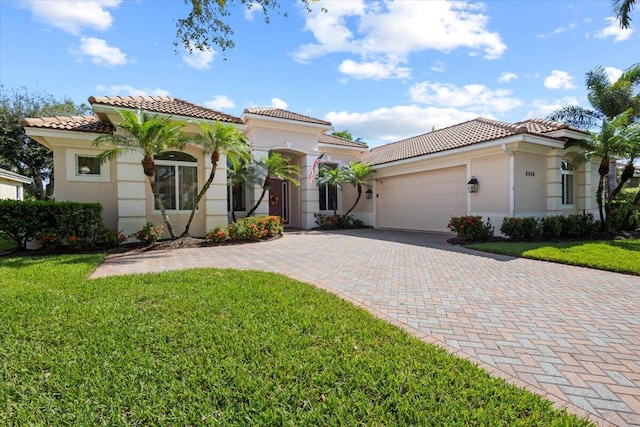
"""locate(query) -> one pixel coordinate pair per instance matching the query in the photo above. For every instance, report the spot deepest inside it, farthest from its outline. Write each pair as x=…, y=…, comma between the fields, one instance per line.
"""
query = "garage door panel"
x=423, y=201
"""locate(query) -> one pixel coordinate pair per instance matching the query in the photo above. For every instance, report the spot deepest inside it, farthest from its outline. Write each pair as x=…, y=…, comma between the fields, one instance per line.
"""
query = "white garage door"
x=422, y=201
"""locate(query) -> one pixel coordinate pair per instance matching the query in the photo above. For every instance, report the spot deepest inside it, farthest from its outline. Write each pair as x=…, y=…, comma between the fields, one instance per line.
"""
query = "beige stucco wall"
x=10, y=189
x=492, y=173
x=530, y=184
x=86, y=191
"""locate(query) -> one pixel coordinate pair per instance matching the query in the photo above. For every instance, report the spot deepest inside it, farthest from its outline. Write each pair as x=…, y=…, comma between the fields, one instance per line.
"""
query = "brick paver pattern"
x=568, y=333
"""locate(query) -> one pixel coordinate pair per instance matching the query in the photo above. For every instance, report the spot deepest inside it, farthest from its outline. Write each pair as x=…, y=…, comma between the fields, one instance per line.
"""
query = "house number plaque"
x=529, y=173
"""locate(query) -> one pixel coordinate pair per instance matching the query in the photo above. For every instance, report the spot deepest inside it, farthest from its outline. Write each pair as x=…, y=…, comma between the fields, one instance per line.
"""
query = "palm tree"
x=215, y=141
x=275, y=165
x=331, y=178
x=609, y=100
x=149, y=136
x=622, y=9
x=241, y=173
x=356, y=173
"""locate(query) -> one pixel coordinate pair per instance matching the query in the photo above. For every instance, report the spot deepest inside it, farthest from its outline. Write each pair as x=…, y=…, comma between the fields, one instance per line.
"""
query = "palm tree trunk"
x=265, y=187
x=156, y=196
x=357, y=200
x=201, y=194
x=599, y=195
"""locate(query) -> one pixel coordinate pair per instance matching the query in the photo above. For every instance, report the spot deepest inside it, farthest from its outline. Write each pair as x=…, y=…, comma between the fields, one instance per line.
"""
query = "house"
x=11, y=185
x=521, y=169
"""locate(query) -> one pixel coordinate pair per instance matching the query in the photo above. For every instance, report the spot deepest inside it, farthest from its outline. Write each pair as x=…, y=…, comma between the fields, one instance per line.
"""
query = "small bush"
x=110, y=238
x=149, y=234
x=551, y=227
x=521, y=228
x=255, y=228
x=336, y=222
x=580, y=225
x=470, y=228
x=217, y=234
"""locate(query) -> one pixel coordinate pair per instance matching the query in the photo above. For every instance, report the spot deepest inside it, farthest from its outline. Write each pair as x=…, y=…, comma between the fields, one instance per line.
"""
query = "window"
x=328, y=194
x=567, y=183
x=87, y=166
x=177, y=180
x=237, y=194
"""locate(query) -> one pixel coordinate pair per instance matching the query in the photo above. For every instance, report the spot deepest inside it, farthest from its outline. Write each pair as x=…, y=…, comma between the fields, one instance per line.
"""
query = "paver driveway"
x=571, y=334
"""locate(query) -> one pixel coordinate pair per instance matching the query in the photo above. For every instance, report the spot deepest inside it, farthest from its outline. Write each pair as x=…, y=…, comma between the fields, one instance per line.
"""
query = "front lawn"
x=622, y=256
x=224, y=347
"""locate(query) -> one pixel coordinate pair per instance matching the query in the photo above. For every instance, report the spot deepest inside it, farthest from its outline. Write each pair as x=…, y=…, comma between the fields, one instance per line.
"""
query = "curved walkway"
x=571, y=334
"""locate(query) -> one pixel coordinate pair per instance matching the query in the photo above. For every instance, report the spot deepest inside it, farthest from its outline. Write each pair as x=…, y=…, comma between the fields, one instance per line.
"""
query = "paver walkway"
x=571, y=334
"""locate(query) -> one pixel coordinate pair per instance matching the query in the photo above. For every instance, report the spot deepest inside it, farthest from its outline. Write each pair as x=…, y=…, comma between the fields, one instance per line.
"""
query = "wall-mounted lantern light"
x=472, y=185
x=369, y=194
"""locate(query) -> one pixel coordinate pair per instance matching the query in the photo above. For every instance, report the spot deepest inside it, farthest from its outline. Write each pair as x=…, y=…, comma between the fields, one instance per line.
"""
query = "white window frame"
x=230, y=198
x=326, y=194
x=73, y=173
x=176, y=165
x=567, y=171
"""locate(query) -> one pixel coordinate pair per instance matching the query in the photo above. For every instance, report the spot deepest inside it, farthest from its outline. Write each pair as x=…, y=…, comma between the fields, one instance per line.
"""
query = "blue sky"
x=383, y=70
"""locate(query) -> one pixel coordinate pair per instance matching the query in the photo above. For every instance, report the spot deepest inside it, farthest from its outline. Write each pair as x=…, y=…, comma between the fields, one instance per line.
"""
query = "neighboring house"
x=522, y=169
x=11, y=185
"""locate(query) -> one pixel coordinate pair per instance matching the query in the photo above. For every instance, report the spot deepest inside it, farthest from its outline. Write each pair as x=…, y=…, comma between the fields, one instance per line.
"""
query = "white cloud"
x=219, y=103
x=613, y=73
x=72, y=16
x=200, y=59
x=279, y=103
x=385, y=125
x=507, y=76
x=439, y=67
x=614, y=30
x=559, y=80
x=251, y=9
x=474, y=96
x=542, y=108
x=99, y=52
x=389, y=32
x=373, y=70
x=115, y=90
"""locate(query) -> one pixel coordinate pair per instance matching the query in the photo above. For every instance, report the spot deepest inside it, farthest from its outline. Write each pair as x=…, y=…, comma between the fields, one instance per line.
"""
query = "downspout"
x=512, y=180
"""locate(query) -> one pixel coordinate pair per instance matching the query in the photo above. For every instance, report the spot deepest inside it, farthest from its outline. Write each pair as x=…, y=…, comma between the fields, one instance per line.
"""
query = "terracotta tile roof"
x=461, y=135
x=74, y=123
x=164, y=104
x=284, y=114
x=336, y=140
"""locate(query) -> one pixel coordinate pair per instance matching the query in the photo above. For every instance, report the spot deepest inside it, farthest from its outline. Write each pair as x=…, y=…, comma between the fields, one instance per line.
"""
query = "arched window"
x=567, y=183
x=177, y=180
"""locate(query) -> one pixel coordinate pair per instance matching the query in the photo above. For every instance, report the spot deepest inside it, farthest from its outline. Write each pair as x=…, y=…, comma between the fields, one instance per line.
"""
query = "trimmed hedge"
x=549, y=228
x=247, y=229
x=471, y=228
x=53, y=223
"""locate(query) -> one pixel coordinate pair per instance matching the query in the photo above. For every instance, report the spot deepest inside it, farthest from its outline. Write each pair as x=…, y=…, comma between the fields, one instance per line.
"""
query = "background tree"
x=356, y=174
x=18, y=152
x=622, y=10
x=275, y=165
x=346, y=135
x=215, y=141
x=332, y=178
x=148, y=136
x=206, y=27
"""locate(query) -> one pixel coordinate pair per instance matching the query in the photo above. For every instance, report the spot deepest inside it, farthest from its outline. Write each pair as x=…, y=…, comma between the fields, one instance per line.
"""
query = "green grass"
x=622, y=256
x=224, y=347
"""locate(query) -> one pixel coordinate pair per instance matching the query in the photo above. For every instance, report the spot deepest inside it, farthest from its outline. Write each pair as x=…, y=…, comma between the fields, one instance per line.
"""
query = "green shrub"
x=336, y=222
x=110, y=238
x=149, y=234
x=26, y=221
x=580, y=225
x=551, y=227
x=526, y=228
x=255, y=228
x=470, y=228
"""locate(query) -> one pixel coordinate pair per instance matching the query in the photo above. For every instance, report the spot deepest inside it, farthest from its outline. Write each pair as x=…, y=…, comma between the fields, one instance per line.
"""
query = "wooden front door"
x=279, y=199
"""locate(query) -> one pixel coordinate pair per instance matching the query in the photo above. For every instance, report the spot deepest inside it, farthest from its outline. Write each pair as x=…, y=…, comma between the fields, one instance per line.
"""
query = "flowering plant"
x=217, y=235
x=149, y=234
x=471, y=228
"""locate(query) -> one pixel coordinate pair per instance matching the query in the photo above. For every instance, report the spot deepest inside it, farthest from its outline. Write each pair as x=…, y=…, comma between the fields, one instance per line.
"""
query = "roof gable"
x=72, y=123
x=457, y=136
x=165, y=105
x=279, y=113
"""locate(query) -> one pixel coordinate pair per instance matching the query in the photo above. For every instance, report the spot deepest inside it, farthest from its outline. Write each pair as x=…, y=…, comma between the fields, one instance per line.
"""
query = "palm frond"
x=622, y=10
x=576, y=116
